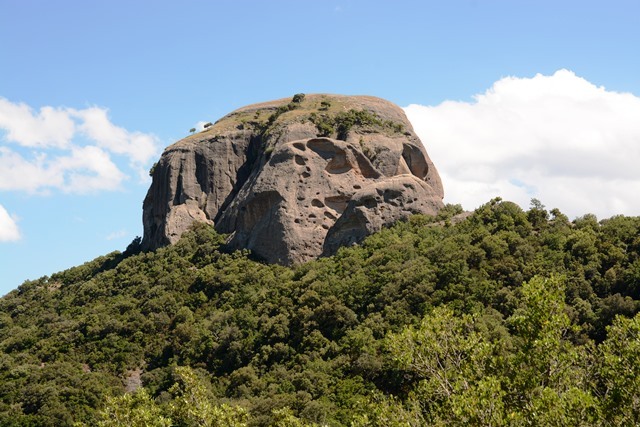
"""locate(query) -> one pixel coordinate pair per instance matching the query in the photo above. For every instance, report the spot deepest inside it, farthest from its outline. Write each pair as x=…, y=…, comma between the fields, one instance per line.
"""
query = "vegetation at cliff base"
x=502, y=317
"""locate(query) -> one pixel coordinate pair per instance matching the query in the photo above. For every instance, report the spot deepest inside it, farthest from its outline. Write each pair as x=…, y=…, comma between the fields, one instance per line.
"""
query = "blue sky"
x=513, y=98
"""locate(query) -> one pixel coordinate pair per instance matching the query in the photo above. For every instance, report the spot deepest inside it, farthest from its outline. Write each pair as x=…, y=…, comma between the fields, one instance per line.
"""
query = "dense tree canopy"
x=497, y=317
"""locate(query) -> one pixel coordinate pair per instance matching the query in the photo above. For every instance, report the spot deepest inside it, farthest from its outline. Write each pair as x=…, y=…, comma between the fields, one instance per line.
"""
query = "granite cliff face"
x=294, y=179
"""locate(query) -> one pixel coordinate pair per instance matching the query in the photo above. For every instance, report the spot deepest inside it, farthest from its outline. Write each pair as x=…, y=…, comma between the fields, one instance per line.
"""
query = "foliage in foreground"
x=506, y=318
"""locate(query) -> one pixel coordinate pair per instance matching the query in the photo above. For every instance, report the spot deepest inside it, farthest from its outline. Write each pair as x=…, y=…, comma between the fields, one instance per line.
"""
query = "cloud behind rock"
x=558, y=138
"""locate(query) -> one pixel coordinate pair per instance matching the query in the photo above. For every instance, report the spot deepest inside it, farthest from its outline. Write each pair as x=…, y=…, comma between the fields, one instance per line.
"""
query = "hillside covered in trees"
x=503, y=317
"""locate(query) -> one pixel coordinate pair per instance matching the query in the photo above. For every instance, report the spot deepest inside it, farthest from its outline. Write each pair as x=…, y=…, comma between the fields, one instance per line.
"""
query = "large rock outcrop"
x=294, y=179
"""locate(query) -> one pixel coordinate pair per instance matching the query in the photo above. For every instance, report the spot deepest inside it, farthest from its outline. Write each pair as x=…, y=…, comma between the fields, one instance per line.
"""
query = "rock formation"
x=294, y=179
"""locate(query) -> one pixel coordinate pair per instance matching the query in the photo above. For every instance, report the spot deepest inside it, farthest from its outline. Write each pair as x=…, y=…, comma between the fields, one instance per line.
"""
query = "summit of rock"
x=293, y=179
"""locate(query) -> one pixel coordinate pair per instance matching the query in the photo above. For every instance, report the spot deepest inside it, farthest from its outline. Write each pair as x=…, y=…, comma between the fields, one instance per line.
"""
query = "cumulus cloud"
x=30, y=175
x=82, y=170
x=51, y=127
x=139, y=147
x=72, y=150
x=88, y=169
x=9, y=231
x=558, y=138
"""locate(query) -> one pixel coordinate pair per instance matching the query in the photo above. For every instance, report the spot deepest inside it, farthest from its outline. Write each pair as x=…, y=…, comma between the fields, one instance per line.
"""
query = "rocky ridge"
x=293, y=179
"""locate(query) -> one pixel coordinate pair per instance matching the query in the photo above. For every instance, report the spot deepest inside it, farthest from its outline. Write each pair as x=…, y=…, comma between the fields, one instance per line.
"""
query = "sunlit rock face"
x=291, y=180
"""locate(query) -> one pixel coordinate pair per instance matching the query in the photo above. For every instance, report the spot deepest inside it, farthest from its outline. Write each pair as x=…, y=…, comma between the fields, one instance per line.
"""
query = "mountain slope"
x=514, y=306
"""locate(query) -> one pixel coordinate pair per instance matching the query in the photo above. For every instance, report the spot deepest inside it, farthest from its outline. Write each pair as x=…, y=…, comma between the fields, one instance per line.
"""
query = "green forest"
x=498, y=317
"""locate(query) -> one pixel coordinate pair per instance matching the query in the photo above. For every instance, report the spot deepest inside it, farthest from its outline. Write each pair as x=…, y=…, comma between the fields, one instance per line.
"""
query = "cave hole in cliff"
x=324, y=147
x=330, y=215
x=415, y=160
x=338, y=164
x=337, y=203
x=370, y=202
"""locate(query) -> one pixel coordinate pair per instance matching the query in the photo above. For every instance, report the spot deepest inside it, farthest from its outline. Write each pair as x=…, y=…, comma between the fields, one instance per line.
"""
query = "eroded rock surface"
x=293, y=180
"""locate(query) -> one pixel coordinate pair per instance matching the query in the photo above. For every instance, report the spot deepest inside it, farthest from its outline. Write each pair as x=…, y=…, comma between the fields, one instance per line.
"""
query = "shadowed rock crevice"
x=242, y=174
x=292, y=181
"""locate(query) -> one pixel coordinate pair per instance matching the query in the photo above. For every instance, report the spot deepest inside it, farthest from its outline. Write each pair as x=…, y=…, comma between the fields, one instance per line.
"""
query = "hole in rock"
x=337, y=203
x=370, y=203
x=325, y=148
x=338, y=164
x=416, y=161
x=330, y=215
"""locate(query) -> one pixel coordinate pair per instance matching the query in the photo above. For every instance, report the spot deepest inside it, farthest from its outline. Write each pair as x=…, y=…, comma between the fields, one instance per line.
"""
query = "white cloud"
x=88, y=169
x=200, y=126
x=76, y=151
x=139, y=147
x=558, y=138
x=30, y=175
x=51, y=127
x=82, y=170
x=9, y=231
